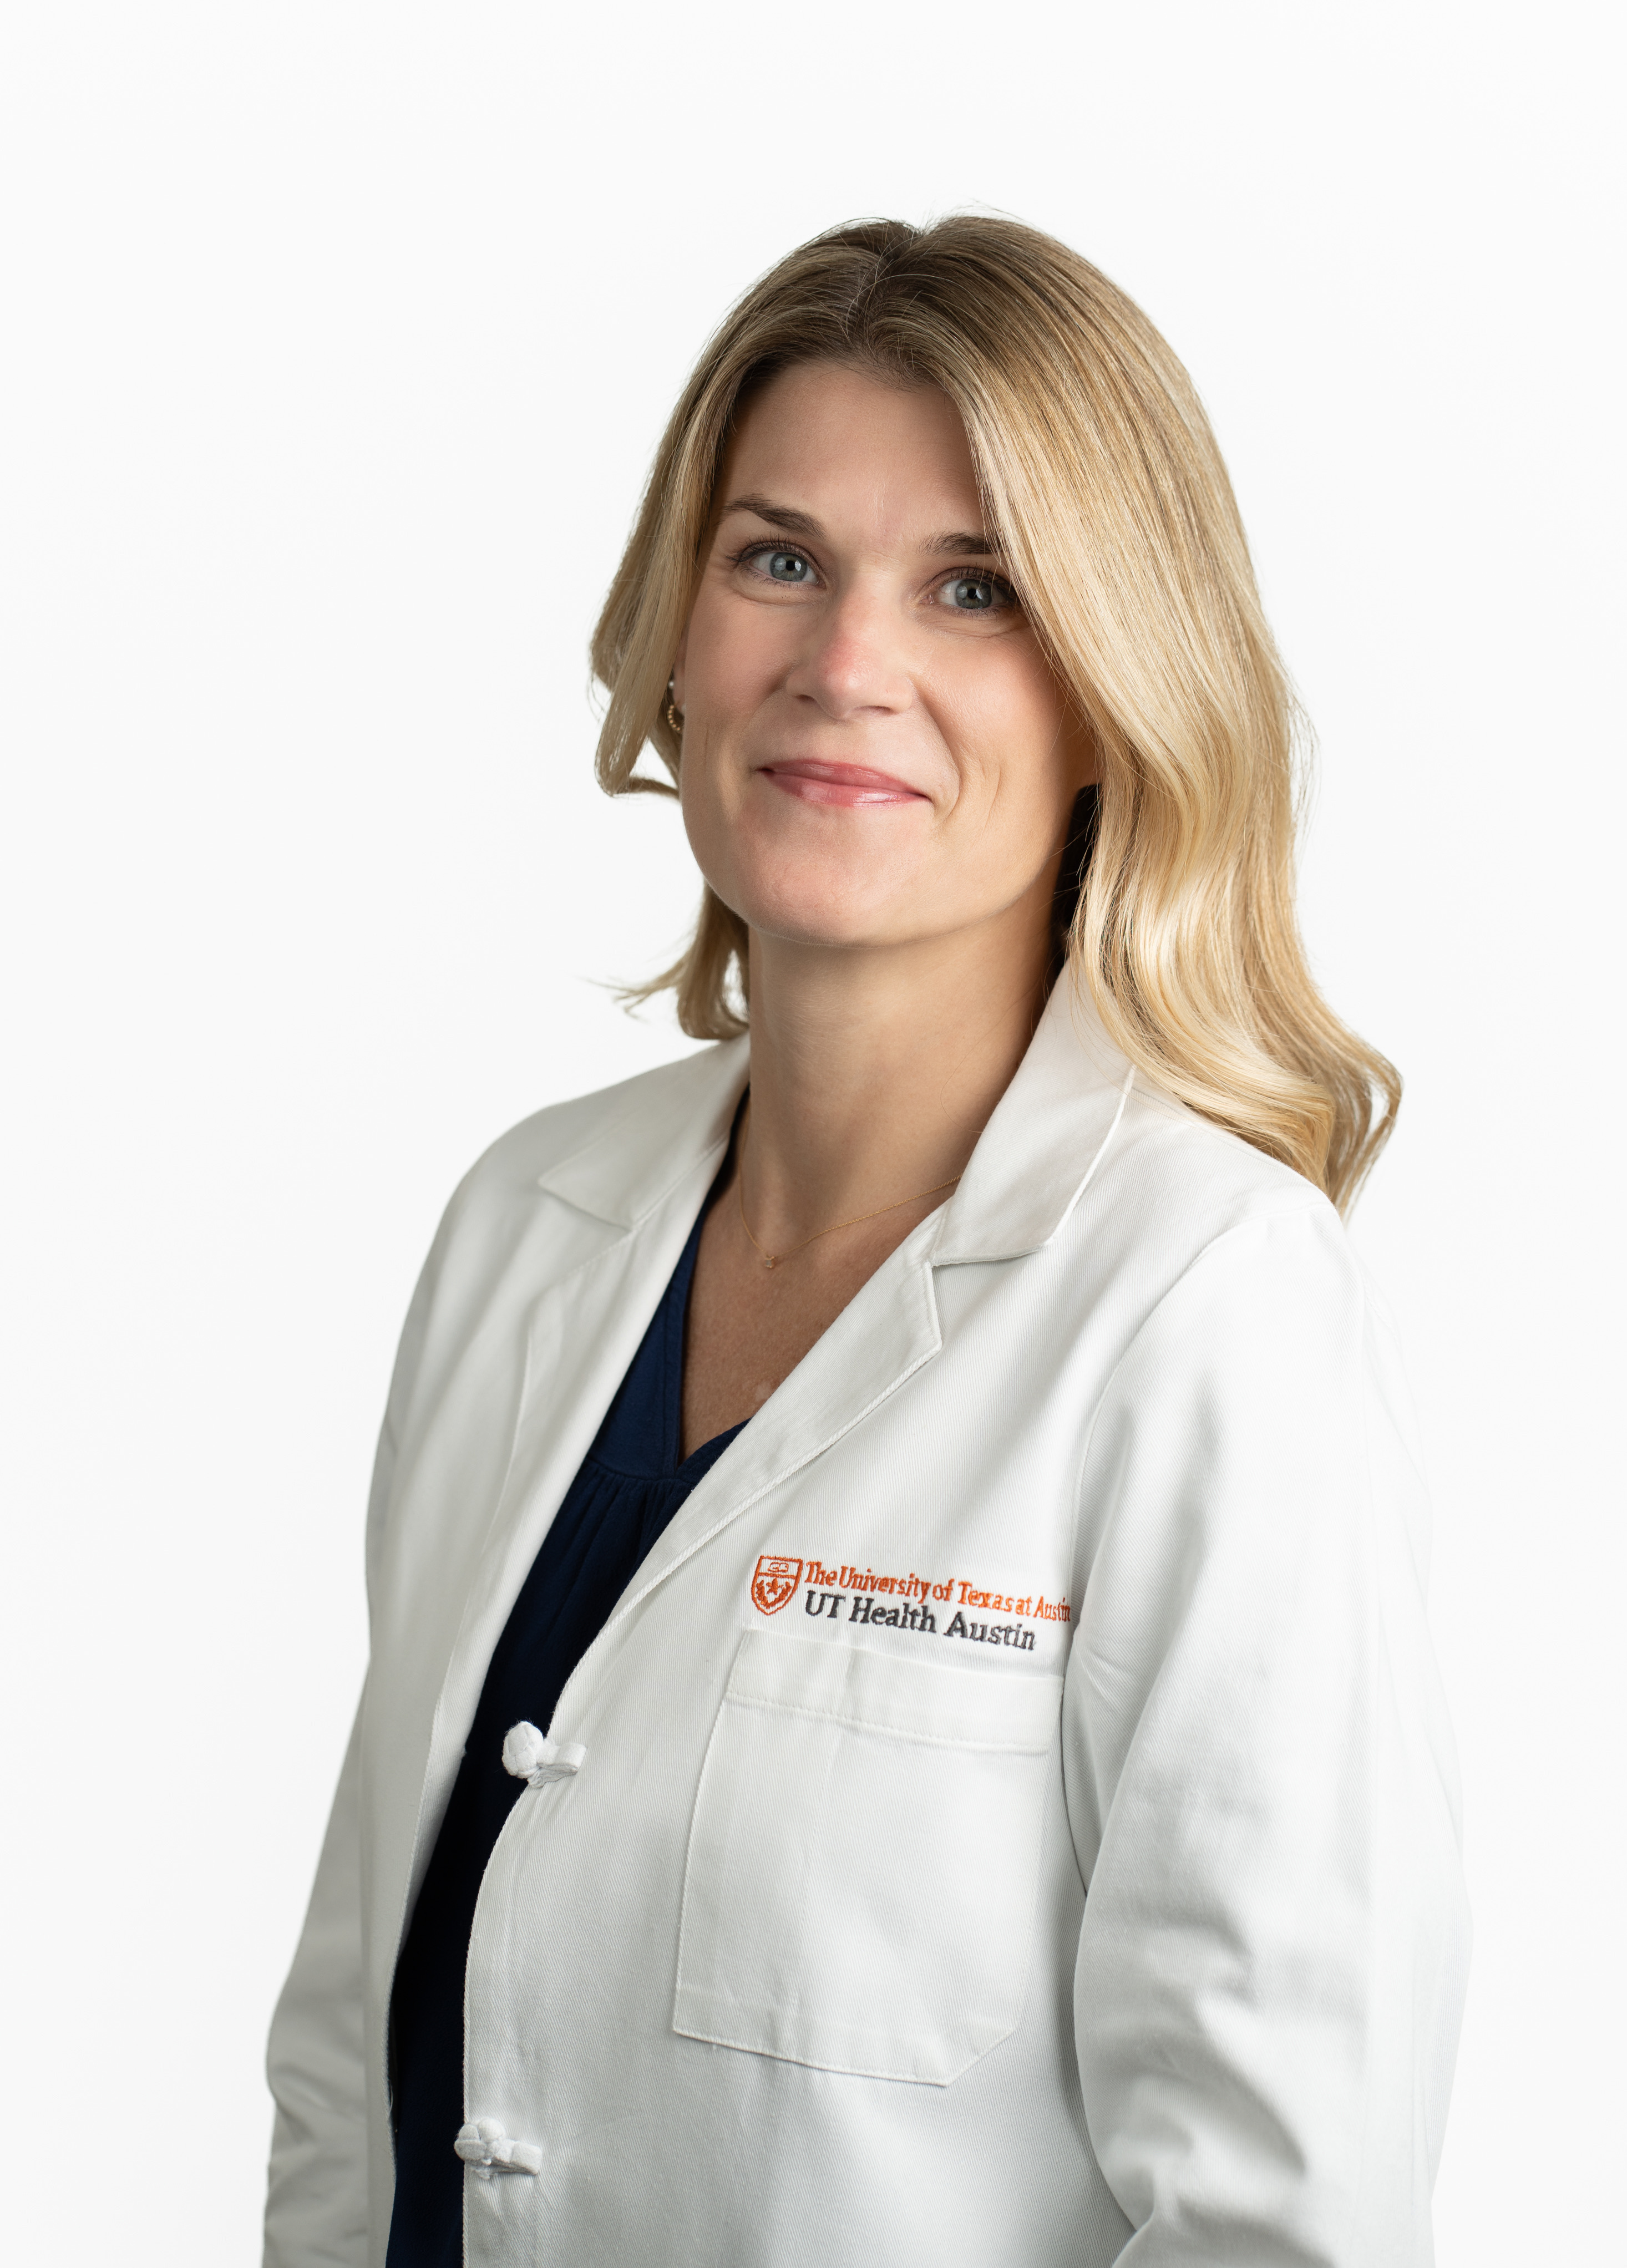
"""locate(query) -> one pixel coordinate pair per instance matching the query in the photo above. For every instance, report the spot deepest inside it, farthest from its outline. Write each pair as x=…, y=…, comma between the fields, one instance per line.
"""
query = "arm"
x=316, y=2207
x=317, y=2203
x=1261, y=1779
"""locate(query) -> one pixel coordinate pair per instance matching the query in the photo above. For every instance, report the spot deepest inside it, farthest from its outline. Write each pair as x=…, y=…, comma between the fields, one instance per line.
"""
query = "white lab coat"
x=1016, y=1819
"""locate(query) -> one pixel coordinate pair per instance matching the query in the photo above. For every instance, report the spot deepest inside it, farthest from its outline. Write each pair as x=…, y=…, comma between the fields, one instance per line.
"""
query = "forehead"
x=866, y=458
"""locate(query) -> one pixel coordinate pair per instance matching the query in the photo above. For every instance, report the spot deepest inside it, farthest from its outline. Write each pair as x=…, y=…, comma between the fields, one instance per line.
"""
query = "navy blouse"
x=631, y=1482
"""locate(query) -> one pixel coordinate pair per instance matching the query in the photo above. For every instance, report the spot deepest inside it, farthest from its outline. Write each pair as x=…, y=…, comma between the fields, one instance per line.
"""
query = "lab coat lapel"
x=1049, y=1132
x=1040, y=1149
x=881, y=1338
x=646, y=1177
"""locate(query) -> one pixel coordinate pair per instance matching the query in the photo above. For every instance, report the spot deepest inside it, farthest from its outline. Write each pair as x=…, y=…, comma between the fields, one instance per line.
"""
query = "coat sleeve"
x=1260, y=1777
x=316, y=2202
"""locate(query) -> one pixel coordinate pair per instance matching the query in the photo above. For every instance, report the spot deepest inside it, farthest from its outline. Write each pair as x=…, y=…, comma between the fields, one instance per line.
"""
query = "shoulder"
x=1247, y=1311
x=613, y=1152
x=1174, y=1193
x=1254, y=1376
x=554, y=1190
x=547, y=1198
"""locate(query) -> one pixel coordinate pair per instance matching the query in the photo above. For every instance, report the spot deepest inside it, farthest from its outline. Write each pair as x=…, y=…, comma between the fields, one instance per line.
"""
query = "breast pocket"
x=863, y=1859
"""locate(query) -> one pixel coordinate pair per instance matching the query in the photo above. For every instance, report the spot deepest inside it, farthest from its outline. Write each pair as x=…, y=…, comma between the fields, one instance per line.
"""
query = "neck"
x=873, y=1071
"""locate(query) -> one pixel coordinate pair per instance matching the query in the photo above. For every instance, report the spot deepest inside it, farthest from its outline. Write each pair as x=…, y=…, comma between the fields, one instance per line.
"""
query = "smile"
x=848, y=784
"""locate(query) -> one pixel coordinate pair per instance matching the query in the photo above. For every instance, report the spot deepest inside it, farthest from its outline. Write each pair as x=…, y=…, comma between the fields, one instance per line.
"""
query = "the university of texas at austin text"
x=911, y=1602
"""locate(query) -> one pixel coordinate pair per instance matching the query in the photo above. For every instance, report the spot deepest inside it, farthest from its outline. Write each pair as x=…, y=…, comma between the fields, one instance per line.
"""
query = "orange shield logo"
x=774, y=1583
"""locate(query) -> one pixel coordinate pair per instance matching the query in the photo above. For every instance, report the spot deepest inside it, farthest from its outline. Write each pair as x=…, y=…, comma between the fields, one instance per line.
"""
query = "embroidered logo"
x=850, y=1593
x=775, y=1583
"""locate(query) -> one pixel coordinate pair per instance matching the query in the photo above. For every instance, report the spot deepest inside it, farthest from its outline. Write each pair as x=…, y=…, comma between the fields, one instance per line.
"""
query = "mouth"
x=852, y=785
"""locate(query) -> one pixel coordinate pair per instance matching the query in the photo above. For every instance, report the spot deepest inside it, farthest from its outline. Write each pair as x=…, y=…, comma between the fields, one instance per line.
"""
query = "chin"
x=820, y=884
x=822, y=906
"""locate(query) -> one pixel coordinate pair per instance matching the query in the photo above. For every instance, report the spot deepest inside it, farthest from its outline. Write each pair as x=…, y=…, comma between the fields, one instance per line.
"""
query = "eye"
x=790, y=569
x=976, y=595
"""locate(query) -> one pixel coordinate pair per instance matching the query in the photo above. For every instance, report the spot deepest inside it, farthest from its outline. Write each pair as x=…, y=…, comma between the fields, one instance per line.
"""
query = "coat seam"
x=1021, y=1746
x=1298, y=1212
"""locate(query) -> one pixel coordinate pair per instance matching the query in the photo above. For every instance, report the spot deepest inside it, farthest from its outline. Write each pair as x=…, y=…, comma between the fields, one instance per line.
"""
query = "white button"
x=483, y=2146
x=531, y=1756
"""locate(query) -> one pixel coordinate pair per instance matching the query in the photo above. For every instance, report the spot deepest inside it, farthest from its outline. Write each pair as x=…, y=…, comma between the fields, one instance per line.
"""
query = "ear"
x=683, y=647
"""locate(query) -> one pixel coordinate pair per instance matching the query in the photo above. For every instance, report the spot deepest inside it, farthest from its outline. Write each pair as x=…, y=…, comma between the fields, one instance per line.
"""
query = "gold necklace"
x=772, y=1259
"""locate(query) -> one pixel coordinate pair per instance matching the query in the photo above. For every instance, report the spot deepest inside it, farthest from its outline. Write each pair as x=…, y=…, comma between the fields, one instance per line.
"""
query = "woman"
x=901, y=1724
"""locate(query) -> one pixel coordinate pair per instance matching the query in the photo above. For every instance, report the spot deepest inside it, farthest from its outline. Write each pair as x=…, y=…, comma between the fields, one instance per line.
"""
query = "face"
x=875, y=750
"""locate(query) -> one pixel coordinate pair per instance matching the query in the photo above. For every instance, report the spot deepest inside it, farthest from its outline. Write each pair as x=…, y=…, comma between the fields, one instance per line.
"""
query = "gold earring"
x=674, y=715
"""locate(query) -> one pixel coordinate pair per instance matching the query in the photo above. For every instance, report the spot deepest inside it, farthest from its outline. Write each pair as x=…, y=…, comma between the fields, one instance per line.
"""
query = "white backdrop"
x=340, y=336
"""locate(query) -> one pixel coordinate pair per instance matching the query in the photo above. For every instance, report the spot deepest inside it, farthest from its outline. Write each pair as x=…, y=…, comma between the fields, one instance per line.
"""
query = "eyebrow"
x=959, y=541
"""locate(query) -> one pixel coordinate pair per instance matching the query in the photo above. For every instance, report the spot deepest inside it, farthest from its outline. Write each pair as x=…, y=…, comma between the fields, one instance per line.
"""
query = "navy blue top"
x=631, y=1482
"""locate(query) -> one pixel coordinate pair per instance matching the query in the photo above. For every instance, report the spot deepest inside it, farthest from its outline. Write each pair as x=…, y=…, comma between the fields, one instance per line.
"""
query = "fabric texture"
x=1015, y=1816
x=632, y=1481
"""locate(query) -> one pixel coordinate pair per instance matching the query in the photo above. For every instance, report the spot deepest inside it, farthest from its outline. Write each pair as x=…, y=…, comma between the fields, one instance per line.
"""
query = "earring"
x=674, y=715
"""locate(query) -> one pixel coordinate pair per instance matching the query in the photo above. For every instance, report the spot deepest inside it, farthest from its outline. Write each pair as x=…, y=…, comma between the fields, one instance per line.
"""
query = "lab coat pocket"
x=864, y=1858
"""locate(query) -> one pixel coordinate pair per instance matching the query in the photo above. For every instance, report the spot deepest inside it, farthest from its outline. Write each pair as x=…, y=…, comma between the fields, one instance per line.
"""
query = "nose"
x=856, y=659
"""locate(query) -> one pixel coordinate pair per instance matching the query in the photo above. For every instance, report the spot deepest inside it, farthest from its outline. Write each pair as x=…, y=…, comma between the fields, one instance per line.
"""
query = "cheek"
x=732, y=653
x=704, y=820
x=709, y=800
x=1011, y=724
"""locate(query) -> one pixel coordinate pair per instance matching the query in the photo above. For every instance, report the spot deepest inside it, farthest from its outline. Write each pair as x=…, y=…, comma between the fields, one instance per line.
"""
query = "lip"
x=852, y=786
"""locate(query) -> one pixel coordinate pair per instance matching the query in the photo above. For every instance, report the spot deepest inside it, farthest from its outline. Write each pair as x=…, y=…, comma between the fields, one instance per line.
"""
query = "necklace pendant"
x=770, y=1265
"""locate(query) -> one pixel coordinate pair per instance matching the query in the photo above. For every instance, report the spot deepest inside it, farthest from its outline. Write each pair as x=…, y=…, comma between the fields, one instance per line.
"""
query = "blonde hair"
x=1103, y=482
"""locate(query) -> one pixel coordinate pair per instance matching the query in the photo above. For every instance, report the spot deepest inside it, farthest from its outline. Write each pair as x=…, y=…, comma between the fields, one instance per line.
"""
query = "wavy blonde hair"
x=1103, y=482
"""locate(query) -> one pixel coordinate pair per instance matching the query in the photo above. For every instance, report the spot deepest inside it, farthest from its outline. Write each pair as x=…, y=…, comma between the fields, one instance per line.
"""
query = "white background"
x=339, y=337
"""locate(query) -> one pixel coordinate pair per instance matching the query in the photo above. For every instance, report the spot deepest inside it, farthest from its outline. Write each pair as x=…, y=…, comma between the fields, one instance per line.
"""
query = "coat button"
x=488, y=2151
x=532, y=1756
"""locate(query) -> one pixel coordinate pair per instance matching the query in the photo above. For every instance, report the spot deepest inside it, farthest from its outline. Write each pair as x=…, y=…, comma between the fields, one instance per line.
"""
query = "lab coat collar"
x=1041, y=1145
x=633, y=1161
x=1048, y=1133
x=1026, y=1173
x=645, y=1170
